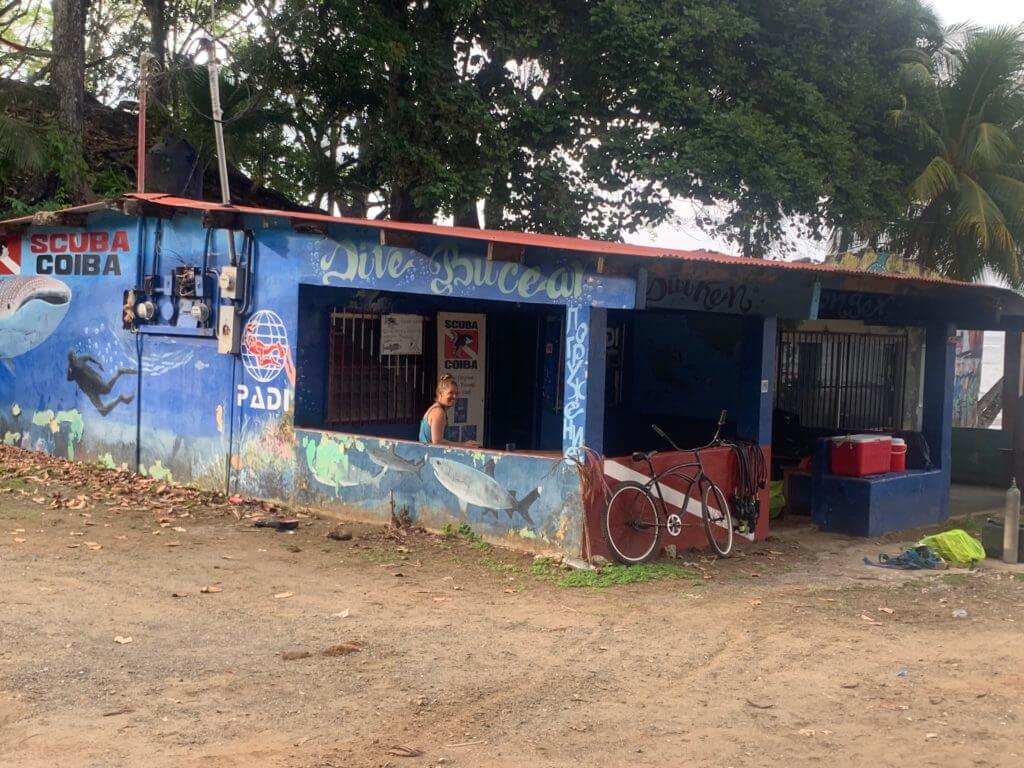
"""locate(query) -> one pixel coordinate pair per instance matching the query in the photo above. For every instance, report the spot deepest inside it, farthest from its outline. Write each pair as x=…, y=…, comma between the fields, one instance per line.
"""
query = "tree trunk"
x=68, y=76
x=156, y=12
x=467, y=214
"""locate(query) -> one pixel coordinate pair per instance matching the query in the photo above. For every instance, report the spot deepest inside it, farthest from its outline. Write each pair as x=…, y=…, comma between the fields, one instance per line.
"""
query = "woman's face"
x=448, y=396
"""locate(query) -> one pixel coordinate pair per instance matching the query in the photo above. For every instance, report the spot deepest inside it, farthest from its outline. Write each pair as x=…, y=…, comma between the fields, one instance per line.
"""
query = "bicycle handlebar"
x=660, y=433
x=718, y=431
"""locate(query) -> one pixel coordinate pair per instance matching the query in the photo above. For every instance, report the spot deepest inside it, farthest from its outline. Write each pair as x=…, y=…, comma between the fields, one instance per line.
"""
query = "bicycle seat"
x=637, y=456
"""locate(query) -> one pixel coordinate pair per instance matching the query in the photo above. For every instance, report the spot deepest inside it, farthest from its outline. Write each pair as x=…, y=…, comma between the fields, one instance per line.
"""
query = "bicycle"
x=636, y=513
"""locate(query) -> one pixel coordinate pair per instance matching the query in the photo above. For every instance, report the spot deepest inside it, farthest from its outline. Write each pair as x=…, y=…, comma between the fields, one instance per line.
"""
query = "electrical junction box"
x=229, y=330
x=232, y=282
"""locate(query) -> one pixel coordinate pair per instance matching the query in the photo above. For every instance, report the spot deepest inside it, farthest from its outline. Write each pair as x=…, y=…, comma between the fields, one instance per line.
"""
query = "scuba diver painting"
x=86, y=372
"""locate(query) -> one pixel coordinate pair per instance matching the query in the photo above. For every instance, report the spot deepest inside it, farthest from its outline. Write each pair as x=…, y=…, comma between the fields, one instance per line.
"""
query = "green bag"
x=776, y=499
x=956, y=547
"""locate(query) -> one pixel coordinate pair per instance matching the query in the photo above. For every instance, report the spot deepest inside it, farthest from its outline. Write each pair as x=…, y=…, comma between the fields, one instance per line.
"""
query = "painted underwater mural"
x=499, y=494
x=80, y=379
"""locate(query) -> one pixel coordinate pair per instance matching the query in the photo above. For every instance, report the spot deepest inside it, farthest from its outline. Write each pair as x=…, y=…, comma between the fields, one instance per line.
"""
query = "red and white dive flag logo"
x=10, y=255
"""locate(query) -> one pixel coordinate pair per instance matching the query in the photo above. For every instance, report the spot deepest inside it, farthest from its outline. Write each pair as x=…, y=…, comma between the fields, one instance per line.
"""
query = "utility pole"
x=213, y=67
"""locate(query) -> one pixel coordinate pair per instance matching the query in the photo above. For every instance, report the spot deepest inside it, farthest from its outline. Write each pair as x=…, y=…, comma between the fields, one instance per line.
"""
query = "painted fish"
x=471, y=486
x=31, y=308
x=387, y=458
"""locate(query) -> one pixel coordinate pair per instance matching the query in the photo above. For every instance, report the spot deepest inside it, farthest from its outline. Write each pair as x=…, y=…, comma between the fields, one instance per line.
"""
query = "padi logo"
x=263, y=398
x=79, y=253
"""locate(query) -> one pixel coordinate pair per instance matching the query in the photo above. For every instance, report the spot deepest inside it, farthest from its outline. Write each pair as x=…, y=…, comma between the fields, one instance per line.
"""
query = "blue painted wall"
x=74, y=383
x=163, y=401
x=681, y=370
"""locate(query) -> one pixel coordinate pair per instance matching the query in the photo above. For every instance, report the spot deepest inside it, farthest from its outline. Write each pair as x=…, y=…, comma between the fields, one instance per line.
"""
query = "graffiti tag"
x=836, y=305
x=708, y=295
x=574, y=416
x=448, y=272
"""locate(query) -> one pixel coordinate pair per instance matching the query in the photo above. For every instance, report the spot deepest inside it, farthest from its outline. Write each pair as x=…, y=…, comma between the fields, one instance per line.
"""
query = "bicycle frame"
x=676, y=470
x=696, y=480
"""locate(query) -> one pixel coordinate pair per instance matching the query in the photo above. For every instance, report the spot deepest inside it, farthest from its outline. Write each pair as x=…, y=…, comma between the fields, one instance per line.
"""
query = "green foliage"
x=965, y=109
x=22, y=147
x=586, y=117
x=465, y=532
x=611, y=575
x=772, y=109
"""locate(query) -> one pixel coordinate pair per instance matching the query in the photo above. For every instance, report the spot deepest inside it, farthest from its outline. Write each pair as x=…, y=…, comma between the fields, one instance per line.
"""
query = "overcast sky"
x=686, y=235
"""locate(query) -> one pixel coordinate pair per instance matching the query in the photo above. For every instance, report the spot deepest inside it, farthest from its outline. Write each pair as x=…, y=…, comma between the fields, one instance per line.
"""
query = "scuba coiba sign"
x=79, y=253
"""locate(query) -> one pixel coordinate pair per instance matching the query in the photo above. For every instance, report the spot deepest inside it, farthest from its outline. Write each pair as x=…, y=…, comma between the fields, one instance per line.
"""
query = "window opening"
x=842, y=381
x=366, y=385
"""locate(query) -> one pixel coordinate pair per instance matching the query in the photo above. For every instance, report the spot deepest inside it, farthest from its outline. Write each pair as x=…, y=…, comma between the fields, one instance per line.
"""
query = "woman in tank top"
x=434, y=421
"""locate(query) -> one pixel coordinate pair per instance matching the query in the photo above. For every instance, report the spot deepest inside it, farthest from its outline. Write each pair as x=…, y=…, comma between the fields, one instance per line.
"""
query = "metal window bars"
x=367, y=387
x=842, y=381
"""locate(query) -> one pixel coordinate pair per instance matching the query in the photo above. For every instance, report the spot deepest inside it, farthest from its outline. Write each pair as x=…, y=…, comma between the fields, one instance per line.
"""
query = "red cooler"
x=899, y=455
x=861, y=455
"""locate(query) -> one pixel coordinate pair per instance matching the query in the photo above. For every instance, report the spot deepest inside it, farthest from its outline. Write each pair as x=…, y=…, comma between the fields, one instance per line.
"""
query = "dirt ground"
x=792, y=654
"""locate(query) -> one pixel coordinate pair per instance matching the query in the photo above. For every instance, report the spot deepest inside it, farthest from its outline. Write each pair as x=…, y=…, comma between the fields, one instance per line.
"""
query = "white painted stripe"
x=12, y=266
x=672, y=497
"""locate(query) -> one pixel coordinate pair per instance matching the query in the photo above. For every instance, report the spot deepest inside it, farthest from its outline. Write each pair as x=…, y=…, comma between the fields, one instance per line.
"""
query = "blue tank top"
x=425, y=432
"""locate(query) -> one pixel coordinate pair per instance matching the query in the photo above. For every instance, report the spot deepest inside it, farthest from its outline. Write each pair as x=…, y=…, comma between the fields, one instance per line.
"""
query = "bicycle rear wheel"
x=717, y=519
x=630, y=524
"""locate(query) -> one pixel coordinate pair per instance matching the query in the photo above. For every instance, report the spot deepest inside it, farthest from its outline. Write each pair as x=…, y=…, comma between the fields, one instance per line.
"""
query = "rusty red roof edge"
x=555, y=242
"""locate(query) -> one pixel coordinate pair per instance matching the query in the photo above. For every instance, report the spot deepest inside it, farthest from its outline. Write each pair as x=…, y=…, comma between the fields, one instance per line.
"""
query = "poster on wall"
x=401, y=335
x=967, y=377
x=461, y=351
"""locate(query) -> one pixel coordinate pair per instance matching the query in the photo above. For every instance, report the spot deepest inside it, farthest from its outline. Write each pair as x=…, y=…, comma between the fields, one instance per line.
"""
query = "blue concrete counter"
x=871, y=506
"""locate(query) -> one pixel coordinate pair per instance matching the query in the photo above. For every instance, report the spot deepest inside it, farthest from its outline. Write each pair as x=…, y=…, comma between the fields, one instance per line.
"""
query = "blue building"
x=291, y=355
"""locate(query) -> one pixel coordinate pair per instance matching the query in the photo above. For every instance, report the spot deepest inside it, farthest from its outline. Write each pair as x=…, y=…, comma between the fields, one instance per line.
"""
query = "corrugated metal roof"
x=554, y=242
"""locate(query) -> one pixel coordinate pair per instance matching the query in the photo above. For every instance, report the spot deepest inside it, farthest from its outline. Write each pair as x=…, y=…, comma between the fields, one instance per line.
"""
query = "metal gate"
x=843, y=381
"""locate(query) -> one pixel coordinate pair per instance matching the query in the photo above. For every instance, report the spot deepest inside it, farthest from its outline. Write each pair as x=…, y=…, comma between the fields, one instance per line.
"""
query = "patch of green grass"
x=497, y=566
x=375, y=555
x=465, y=532
x=611, y=575
x=955, y=579
x=915, y=583
x=14, y=483
x=1017, y=576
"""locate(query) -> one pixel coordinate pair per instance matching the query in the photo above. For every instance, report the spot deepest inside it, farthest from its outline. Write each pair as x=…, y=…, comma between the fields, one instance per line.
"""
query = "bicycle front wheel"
x=630, y=524
x=717, y=519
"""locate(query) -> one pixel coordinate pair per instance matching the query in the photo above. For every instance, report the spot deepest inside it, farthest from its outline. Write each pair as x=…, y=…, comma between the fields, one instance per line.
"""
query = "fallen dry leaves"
x=114, y=489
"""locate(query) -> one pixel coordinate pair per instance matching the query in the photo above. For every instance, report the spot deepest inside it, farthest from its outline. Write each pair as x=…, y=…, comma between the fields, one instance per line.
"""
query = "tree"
x=773, y=110
x=420, y=109
x=965, y=105
x=69, y=67
x=578, y=117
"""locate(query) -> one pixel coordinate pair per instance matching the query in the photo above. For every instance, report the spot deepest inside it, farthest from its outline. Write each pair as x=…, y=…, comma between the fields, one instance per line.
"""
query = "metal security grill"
x=367, y=387
x=844, y=381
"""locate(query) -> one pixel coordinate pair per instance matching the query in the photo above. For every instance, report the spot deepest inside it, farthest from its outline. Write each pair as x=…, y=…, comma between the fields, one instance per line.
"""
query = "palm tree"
x=966, y=105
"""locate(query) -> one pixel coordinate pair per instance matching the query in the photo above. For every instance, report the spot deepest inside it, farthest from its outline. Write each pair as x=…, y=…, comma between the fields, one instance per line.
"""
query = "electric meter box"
x=232, y=282
x=229, y=328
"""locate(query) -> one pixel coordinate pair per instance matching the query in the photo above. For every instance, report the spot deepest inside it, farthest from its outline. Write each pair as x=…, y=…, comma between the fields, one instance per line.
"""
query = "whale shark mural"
x=31, y=308
x=472, y=486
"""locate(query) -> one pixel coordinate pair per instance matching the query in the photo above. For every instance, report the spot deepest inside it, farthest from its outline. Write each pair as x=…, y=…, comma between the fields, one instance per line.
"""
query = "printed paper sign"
x=461, y=342
x=401, y=335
